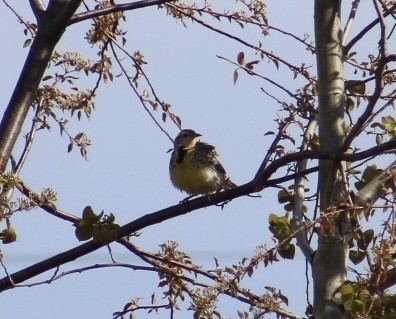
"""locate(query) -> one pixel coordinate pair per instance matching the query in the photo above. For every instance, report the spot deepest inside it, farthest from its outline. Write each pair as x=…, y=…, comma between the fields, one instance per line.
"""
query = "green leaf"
x=350, y=105
x=84, y=230
x=357, y=306
x=353, y=86
x=366, y=239
x=273, y=219
x=287, y=251
x=389, y=124
x=371, y=172
x=9, y=235
x=356, y=256
x=27, y=43
x=283, y=196
x=89, y=216
x=347, y=292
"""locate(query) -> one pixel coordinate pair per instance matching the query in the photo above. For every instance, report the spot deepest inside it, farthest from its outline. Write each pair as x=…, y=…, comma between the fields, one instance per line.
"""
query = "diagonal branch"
x=379, y=86
x=50, y=29
x=256, y=185
x=365, y=30
x=115, y=8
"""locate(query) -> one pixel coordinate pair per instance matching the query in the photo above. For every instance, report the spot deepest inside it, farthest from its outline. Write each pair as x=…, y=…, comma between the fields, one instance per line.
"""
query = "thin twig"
x=270, y=55
x=124, y=71
x=252, y=72
x=379, y=86
x=28, y=27
x=29, y=140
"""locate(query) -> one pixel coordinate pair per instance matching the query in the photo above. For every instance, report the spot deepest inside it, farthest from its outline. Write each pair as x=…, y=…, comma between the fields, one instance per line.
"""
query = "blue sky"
x=127, y=168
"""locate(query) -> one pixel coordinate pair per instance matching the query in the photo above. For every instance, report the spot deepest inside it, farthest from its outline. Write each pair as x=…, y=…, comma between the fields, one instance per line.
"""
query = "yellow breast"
x=192, y=178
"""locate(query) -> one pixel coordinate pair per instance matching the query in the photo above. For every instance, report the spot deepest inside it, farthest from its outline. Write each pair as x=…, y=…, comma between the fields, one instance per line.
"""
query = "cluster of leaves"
x=359, y=301
x=105, y=27
x=71, y=99
x=368, y=175
x=281, y=228
x=101, y=228
x=255, y=13
x=204, y=303
x=180, y=279
x=387, y=129
x=8, y=182
x=249, y=66
x=361, y=241
x=172, y=270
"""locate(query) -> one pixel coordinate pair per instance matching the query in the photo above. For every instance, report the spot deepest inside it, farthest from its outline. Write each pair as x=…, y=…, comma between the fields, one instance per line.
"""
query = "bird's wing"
x=211, y=155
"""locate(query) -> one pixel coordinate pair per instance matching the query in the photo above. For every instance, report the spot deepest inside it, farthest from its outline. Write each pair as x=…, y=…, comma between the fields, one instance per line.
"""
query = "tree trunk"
x=51, y=25
x=330, y=261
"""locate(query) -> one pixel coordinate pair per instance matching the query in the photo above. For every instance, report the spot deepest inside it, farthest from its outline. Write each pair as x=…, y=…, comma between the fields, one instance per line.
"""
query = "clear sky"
x=127, y=168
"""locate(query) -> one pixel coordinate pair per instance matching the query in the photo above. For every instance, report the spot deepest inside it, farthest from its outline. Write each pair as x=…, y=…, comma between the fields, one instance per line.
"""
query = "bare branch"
x=376, y=188
x=270, y=55
x=252, y=72
x=365, y=30
x=51, y=209
x=382, y=41
x=351, y=18
x=130, y=82
x=301, y=236
x=115, y=8
x=379, y=86
x=257, y=184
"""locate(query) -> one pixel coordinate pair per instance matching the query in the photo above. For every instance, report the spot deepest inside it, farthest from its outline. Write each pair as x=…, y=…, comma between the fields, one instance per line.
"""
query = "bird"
x=194, y=167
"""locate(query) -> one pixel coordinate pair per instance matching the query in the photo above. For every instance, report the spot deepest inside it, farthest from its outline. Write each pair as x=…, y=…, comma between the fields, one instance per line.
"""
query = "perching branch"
x=256, y=185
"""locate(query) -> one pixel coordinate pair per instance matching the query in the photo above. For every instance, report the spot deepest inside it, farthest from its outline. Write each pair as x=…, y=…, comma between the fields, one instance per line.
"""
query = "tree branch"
x=38, y=8
x=365, y=30
x=299, y=189
x=256, y=185
x=379, y=86
x=115, y=8
x=352, y=15
x=50, y=29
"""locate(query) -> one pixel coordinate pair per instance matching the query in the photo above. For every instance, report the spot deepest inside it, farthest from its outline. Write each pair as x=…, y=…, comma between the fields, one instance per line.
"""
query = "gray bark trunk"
x=330, y=261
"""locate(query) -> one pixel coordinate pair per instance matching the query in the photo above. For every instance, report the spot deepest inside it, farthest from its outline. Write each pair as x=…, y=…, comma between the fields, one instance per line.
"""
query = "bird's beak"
x=197, y=135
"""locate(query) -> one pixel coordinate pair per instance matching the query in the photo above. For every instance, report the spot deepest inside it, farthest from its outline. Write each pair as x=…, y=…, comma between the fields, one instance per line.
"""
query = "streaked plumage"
x=194, y=167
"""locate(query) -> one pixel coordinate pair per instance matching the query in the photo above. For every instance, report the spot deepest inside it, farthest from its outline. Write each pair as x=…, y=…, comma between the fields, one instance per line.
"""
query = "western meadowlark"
x=194, y=167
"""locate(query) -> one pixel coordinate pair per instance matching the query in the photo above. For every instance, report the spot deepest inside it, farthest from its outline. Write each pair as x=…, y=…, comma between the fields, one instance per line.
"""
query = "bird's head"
x=186, y=139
